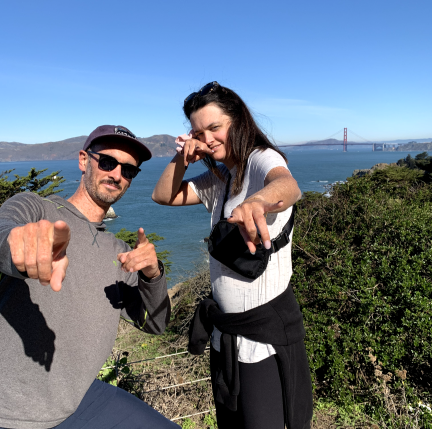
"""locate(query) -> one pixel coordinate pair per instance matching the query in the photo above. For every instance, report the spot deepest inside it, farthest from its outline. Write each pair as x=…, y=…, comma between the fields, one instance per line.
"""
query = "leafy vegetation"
x=422, y=161
x=110, y=369
x=363, y=276
x=31, y=183
x=188, y=423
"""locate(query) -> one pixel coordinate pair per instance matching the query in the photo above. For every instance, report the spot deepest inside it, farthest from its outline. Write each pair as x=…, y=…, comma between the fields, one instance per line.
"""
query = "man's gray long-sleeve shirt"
x=52, y=344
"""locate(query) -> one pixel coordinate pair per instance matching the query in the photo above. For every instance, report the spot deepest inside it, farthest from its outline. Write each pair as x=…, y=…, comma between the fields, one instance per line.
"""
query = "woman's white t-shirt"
x=233, y=292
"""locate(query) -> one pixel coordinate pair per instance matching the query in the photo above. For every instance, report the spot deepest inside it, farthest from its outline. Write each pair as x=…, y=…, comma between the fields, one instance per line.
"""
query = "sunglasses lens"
x=189, y=97
x=107, y=163
x=129, y=171
x=207, y=88
x=203, y=91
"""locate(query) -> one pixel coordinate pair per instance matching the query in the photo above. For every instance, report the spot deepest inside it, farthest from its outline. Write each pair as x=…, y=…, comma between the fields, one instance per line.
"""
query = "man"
x=66, y=282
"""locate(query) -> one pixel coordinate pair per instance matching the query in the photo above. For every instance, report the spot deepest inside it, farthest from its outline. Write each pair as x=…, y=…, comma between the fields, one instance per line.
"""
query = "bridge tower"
x=345, y=142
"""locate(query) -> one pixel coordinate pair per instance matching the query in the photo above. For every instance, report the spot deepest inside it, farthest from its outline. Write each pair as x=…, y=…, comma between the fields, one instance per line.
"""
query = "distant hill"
x=333, y=144
x=414, y=147
x=334, y=141
x=330, y=144
x=159, y=145
x=408, y=141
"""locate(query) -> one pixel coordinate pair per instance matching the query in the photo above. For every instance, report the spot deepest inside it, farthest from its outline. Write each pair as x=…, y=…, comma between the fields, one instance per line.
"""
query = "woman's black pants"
x=260, y=403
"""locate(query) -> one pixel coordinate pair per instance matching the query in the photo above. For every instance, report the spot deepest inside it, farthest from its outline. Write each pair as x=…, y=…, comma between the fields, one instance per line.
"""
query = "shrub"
x=421, y=162
x=363, y=276
x=31, y=183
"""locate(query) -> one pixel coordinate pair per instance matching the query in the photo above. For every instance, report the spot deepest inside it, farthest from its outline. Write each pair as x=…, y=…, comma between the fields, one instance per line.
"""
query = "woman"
x=246, y=166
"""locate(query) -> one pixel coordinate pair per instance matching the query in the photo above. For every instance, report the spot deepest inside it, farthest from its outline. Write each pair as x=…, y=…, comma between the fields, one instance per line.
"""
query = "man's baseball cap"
x=123, y=135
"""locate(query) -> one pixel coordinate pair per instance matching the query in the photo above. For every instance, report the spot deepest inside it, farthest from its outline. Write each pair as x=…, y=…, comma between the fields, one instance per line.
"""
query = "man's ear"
x=83, y=160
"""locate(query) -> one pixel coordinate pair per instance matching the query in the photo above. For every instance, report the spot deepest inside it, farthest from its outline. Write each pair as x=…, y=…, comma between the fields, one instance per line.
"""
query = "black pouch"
x=226, y=245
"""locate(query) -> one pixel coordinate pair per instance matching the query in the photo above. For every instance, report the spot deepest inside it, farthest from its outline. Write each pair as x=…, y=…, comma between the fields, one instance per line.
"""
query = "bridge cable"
x=328, y=138
x=360, y=137
x=282, y=144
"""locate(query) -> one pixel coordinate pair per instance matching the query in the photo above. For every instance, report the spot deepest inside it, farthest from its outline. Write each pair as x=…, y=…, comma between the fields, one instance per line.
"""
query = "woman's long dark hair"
x=244, y=135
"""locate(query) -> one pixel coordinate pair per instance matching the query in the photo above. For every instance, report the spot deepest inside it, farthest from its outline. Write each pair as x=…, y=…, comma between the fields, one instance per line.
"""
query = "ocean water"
x=184, y=228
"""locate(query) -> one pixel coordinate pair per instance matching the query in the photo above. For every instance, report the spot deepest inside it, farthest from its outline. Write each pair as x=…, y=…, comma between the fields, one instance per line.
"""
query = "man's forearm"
x=156, y=302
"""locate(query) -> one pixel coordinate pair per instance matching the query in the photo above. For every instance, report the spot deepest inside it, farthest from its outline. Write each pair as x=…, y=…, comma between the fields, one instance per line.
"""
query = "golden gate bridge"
x=375, y=146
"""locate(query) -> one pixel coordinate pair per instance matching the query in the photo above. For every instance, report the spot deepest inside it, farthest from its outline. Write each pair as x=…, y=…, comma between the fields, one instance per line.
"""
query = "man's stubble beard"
x=104, y=199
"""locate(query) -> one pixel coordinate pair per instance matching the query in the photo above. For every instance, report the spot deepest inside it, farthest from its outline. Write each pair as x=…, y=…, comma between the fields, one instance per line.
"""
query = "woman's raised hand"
x=194, y=150
x=250, y=216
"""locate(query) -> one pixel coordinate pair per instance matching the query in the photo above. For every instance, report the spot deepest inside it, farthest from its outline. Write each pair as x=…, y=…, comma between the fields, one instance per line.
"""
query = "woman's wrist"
x=252, y=199
x=178, y=157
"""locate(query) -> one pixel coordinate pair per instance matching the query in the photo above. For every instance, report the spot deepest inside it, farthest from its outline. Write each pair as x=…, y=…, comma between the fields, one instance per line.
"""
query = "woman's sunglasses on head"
x=108, y=163
x=203, y=91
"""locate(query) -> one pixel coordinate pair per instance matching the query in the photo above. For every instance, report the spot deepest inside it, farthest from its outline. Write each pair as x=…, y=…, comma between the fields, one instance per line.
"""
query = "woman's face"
x=210, y=126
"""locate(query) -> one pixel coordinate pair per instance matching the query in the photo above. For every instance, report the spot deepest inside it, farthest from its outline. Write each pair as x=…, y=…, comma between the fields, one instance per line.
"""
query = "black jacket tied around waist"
x=279, y=322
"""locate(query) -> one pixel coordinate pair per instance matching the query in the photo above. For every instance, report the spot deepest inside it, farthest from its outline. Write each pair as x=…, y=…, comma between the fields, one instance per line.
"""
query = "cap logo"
x=124, y=132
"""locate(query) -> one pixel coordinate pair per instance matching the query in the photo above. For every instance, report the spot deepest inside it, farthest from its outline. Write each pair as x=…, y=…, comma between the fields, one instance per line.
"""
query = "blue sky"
x=306, y=68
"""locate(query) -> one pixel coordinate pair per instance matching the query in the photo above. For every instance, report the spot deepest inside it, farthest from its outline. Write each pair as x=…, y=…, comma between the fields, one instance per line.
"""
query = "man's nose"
x=116, y=173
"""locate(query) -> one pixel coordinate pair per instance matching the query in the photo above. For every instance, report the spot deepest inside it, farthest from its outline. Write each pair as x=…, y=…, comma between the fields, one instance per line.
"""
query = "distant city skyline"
x=306, y=69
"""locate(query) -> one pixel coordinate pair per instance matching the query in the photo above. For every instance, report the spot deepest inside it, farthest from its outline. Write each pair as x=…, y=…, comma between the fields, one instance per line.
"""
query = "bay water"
x=184, y=228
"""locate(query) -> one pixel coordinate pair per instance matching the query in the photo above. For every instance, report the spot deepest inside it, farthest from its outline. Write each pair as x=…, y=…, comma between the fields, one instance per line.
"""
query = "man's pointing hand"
x=143, y=257
x=40, y=250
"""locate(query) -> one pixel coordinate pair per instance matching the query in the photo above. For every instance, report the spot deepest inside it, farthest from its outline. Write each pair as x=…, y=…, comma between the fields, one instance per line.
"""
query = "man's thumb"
x=142, y=239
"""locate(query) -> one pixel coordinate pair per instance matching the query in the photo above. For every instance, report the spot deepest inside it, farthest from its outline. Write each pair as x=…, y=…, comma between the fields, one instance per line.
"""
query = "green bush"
x=42, y=186
x=422, y=161
x=363, y=277
x=188, y=423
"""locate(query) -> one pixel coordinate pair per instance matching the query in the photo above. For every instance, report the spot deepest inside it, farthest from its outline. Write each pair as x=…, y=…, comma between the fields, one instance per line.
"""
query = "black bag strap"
x=225, y=196
x=283, y=238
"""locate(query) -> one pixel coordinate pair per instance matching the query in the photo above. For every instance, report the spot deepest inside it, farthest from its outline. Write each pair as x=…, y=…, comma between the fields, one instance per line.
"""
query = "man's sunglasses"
x=108, y=163
x=206, y=89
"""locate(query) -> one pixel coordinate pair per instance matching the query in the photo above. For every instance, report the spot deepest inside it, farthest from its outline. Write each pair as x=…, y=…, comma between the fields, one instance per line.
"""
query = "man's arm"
x=147, y=306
